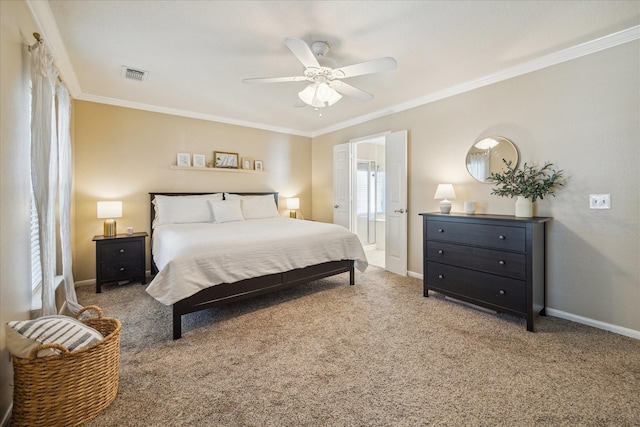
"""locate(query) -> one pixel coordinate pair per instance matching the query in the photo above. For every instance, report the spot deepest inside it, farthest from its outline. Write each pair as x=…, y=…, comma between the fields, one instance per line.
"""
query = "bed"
x=198, y=264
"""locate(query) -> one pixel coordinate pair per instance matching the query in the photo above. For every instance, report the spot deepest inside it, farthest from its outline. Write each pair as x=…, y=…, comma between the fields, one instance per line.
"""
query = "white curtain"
x=44, y=174
x=64, y=194
x=478, y=165
x=44, y=166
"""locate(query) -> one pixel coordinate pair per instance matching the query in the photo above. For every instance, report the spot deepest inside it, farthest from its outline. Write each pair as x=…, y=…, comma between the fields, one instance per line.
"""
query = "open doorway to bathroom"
x=369, y=201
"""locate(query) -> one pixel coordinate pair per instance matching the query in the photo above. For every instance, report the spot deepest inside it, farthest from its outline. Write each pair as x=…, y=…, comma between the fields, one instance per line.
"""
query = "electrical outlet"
x=599, y=201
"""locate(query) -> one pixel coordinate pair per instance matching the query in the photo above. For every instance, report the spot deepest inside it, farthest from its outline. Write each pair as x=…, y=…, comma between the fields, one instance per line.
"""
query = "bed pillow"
x=183, y=209
x=226, y=211
x=25, y=335
x=255, y=207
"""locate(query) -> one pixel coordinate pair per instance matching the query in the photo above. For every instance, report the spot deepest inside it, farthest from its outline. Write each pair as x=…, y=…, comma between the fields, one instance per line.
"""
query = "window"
x=36, y=272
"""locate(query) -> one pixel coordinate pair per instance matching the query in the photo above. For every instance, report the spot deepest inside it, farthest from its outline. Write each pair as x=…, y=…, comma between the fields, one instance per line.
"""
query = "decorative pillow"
x=183, y=209
x=227, y=211
x=255, y=207
x=25, y=335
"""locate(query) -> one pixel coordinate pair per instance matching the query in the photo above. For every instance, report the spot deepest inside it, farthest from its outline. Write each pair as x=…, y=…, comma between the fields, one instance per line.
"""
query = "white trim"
x=46, y=23
x=620, y=330
x=593, y=46
x=595, y=323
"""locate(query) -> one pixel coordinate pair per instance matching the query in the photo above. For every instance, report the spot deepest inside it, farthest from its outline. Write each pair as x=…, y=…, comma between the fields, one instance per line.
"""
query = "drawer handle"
x=121, y=251
x=501, y=262
x=501, y=292
x=440, y=251
x=440, y=230
x=121, y=268
x=501, y=237
x=440, y=276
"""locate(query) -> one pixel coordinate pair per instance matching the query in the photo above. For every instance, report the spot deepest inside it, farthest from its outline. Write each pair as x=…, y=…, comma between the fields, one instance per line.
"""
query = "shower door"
x=366, y=201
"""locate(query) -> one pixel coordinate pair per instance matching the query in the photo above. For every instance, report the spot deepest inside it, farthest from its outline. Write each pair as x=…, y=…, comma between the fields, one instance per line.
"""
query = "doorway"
x=377, y=213
x=369, y=201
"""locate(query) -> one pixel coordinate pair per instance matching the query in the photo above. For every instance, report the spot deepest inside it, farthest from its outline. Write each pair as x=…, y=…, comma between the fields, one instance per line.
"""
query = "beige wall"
x=583, y=116
x=15, y=257
x=123, y=154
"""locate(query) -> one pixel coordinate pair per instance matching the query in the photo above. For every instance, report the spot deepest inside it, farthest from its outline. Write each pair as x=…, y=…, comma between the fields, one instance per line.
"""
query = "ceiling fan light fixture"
x=319, y=95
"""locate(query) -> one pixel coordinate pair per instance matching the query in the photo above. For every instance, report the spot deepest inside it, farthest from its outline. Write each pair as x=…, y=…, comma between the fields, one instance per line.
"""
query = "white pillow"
x=227, y=211
x=25, y=335
x=255, y=207
x=183, y=209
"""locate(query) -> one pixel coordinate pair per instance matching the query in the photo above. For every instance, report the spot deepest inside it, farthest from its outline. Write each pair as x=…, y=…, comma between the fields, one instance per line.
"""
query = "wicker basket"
x=71, y=388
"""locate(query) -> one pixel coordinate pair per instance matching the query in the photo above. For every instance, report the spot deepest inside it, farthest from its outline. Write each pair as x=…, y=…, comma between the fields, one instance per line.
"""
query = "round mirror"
x=485, y=156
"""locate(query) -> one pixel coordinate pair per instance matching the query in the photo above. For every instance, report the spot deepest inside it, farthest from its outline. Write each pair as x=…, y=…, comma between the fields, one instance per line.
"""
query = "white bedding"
x=191, y=257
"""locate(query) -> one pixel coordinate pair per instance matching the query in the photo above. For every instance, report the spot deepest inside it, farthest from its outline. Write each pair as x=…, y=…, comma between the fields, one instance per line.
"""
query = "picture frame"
x=199, y=161
x=247, y=163
x=183, y=159
x=223, y=159
x=258, y=165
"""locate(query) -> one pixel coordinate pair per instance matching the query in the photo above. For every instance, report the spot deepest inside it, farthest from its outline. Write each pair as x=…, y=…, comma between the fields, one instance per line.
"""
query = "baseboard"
x=414, y=274
x=6, y=418
x=92, y=282
x=632, y=333
x=627, y=332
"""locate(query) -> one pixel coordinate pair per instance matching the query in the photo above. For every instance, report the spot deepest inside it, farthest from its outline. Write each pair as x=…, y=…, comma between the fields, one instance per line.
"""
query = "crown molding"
x=48, y=28
x=587, y=48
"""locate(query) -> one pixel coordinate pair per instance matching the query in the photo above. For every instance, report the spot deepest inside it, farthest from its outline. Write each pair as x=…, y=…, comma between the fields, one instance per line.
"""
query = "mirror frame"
x=494, y=161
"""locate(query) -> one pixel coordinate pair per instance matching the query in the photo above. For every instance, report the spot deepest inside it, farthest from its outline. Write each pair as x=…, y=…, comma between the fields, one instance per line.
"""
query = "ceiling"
x=198, y=52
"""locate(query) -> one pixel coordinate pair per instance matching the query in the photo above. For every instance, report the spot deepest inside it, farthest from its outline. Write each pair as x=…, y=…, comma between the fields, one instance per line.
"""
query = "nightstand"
x=120, y=257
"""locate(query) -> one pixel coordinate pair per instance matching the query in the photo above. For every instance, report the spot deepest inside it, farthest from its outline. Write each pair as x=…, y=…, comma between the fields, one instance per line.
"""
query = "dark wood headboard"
x=152, y=211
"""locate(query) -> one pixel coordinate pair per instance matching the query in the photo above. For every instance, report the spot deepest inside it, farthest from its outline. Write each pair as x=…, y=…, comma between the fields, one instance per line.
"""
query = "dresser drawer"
x=510, y=264
x=120, y=250
x=489, y=236
x=497, y=291
x=121, y=270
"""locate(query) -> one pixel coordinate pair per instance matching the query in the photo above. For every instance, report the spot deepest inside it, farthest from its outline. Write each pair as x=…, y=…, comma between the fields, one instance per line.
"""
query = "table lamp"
x=293, y=204
x=110, y=210
x=445, y=192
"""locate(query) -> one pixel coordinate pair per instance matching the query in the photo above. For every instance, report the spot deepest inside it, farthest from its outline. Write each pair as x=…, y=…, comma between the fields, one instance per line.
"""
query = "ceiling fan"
x=326, y=87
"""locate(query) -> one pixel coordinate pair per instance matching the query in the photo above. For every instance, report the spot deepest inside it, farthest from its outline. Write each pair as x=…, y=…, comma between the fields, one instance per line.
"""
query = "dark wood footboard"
x=229, y=292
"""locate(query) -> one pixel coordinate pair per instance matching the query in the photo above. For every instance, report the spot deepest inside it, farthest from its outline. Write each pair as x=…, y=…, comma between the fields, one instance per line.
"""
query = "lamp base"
x=109, y=227
x=445, y=206
x=293, y=214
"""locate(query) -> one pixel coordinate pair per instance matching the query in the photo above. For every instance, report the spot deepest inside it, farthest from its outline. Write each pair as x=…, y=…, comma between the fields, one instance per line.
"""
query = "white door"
x=396, y=203
x=342, y=185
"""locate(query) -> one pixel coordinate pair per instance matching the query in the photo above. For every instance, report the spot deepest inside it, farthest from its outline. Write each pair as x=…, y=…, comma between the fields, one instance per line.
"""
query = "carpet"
x=374, y=354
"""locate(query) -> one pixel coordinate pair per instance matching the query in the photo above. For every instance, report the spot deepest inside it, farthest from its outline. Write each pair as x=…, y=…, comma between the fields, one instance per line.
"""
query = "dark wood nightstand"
x=120, y=257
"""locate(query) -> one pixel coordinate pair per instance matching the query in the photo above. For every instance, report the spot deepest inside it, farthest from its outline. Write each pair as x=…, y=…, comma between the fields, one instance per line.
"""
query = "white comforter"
x=191, y=257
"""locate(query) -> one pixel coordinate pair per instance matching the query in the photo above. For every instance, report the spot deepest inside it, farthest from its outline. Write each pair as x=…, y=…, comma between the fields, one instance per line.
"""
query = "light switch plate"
x=599, y=201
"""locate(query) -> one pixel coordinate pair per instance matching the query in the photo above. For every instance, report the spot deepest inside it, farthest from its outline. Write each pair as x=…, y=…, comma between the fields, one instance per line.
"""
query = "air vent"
x=133, y=74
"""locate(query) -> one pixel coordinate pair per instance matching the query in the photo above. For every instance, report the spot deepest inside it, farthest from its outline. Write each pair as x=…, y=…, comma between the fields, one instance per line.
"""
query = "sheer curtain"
x=478, y=165
x=45, y=160
x=64, y=193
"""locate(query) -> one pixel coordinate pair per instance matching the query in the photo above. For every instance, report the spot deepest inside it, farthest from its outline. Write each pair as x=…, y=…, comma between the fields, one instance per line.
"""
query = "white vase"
x=524, y=207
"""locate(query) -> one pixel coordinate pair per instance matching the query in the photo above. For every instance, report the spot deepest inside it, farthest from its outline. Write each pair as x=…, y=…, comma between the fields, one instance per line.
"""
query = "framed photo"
x=247, y=163
x=184, y=159
x=199, y=161
x=222, y=159
x=258, y=165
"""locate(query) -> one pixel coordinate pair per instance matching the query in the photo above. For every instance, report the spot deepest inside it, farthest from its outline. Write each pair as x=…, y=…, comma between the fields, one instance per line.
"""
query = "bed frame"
x=229, y=292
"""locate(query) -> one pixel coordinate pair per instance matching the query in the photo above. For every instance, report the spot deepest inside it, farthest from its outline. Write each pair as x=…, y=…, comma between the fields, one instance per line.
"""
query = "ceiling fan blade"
x=275, y=79
x=367, y=67
x=351, y=91
x=301, y=50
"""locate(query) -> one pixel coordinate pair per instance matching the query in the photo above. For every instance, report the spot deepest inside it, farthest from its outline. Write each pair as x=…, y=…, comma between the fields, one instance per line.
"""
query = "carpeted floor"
x=373, y=354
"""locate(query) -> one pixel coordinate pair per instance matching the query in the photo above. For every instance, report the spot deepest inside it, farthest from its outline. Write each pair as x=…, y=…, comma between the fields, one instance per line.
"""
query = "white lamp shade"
x=319, y=95
x=110, y=209
x=445, y=191
x=293, y=203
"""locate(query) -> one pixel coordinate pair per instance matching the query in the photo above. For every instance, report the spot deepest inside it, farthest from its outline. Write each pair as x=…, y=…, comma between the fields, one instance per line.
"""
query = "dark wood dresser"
x=120, y=257
x=493, y=261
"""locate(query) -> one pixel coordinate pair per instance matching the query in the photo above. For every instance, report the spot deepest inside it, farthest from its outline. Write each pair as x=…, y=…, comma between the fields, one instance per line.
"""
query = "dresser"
x=493, y=261
x=120, y=257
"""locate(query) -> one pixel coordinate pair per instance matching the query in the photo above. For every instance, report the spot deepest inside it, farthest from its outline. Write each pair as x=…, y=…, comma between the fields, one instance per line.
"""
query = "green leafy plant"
x=530, y=181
